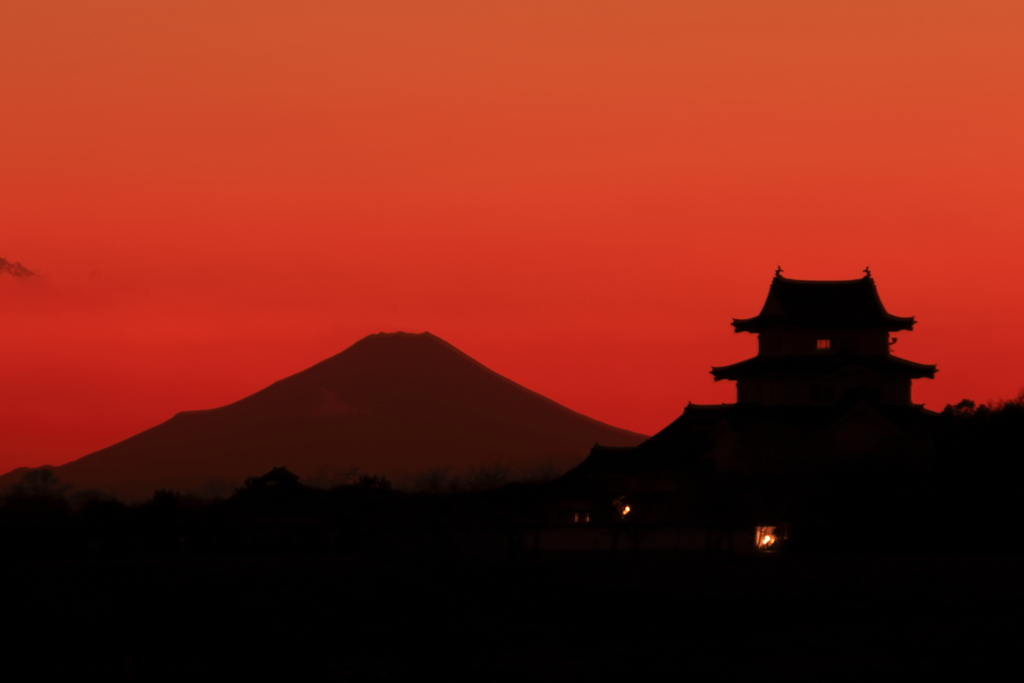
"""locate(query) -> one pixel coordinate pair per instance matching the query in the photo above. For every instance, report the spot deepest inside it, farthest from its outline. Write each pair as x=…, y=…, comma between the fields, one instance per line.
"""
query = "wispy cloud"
x=14, y=268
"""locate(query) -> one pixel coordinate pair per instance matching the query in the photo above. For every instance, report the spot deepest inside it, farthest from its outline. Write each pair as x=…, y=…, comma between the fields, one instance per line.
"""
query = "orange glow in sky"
x=580, y=195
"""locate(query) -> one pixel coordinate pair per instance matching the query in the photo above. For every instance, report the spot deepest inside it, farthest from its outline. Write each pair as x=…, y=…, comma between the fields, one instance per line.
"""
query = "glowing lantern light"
x=625, y=510
x=765, y=537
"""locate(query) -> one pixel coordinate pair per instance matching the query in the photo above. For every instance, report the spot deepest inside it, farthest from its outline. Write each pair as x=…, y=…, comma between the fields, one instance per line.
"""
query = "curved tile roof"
x=823, y=303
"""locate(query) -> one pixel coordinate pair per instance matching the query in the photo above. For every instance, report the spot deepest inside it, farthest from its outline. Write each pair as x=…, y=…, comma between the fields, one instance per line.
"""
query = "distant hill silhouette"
x=391, y=404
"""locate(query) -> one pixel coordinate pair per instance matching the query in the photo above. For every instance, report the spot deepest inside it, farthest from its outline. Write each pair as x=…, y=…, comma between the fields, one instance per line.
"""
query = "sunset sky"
x=580, y=195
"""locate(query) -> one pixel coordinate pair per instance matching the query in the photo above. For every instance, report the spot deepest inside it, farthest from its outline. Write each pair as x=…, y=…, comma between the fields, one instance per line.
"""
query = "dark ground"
x=564, y=618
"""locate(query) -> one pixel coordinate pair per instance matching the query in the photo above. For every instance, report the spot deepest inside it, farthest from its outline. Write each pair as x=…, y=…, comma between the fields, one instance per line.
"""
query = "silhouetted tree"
x=41, y=482
x=373, y=482
x=35, y=514
x=435, y=480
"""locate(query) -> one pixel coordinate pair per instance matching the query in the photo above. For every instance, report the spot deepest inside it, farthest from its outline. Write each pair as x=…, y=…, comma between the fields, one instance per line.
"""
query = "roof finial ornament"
x=867, y=271
x=778, y=271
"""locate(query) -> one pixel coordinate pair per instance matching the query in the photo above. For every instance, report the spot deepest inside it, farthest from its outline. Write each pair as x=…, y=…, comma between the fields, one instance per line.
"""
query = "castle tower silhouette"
x=824, y=397
x=820, y=342
x=824, y=386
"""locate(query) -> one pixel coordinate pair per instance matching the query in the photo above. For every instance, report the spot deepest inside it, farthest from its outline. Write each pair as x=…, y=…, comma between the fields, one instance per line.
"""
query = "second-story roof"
x=822, y=365
x=823, y=303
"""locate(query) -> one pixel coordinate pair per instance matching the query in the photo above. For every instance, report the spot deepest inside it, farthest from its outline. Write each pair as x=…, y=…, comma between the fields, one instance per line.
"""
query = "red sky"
x=581, y=195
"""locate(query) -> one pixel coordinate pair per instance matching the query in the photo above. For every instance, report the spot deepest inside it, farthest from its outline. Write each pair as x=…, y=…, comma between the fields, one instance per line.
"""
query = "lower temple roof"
x=823, y=365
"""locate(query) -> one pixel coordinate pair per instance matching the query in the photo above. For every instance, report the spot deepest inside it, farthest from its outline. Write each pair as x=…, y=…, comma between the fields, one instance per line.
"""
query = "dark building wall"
x=823, y=390
x=827, y=389
x=801, y=341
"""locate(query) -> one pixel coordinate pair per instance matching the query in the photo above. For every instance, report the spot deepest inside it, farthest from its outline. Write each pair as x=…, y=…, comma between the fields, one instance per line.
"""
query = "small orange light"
x=625, y=511
x=765, y=537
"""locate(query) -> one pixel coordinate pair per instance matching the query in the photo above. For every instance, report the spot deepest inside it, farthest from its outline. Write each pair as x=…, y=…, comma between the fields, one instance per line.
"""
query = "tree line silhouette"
x=962, y=496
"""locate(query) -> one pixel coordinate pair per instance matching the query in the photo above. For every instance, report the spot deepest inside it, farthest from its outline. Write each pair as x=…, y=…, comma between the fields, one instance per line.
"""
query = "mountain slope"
x=394, y=404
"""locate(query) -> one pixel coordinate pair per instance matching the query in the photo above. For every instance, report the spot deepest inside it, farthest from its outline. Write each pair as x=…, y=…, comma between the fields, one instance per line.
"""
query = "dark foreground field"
x=810, y=618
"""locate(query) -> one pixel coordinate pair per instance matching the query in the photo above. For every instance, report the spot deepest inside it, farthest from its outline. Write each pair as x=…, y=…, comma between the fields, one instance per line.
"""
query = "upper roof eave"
x=823, y=304
x=891, y=323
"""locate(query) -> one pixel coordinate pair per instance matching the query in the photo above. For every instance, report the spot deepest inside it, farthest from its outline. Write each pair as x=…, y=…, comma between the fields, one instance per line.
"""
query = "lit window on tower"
x=824, y=344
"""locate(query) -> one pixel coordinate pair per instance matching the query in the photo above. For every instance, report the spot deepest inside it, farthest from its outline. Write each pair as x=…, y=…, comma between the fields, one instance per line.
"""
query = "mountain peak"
x=393, y=403
x=400, y=335
x=398, y=353
x=402, y=340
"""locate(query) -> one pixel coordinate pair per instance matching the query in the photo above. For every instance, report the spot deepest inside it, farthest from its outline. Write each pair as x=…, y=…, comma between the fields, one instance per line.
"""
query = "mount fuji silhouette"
x=395, y=404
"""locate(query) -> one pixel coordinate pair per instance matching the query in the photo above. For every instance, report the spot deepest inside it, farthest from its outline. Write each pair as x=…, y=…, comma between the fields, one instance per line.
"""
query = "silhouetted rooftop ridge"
x=823, y=303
